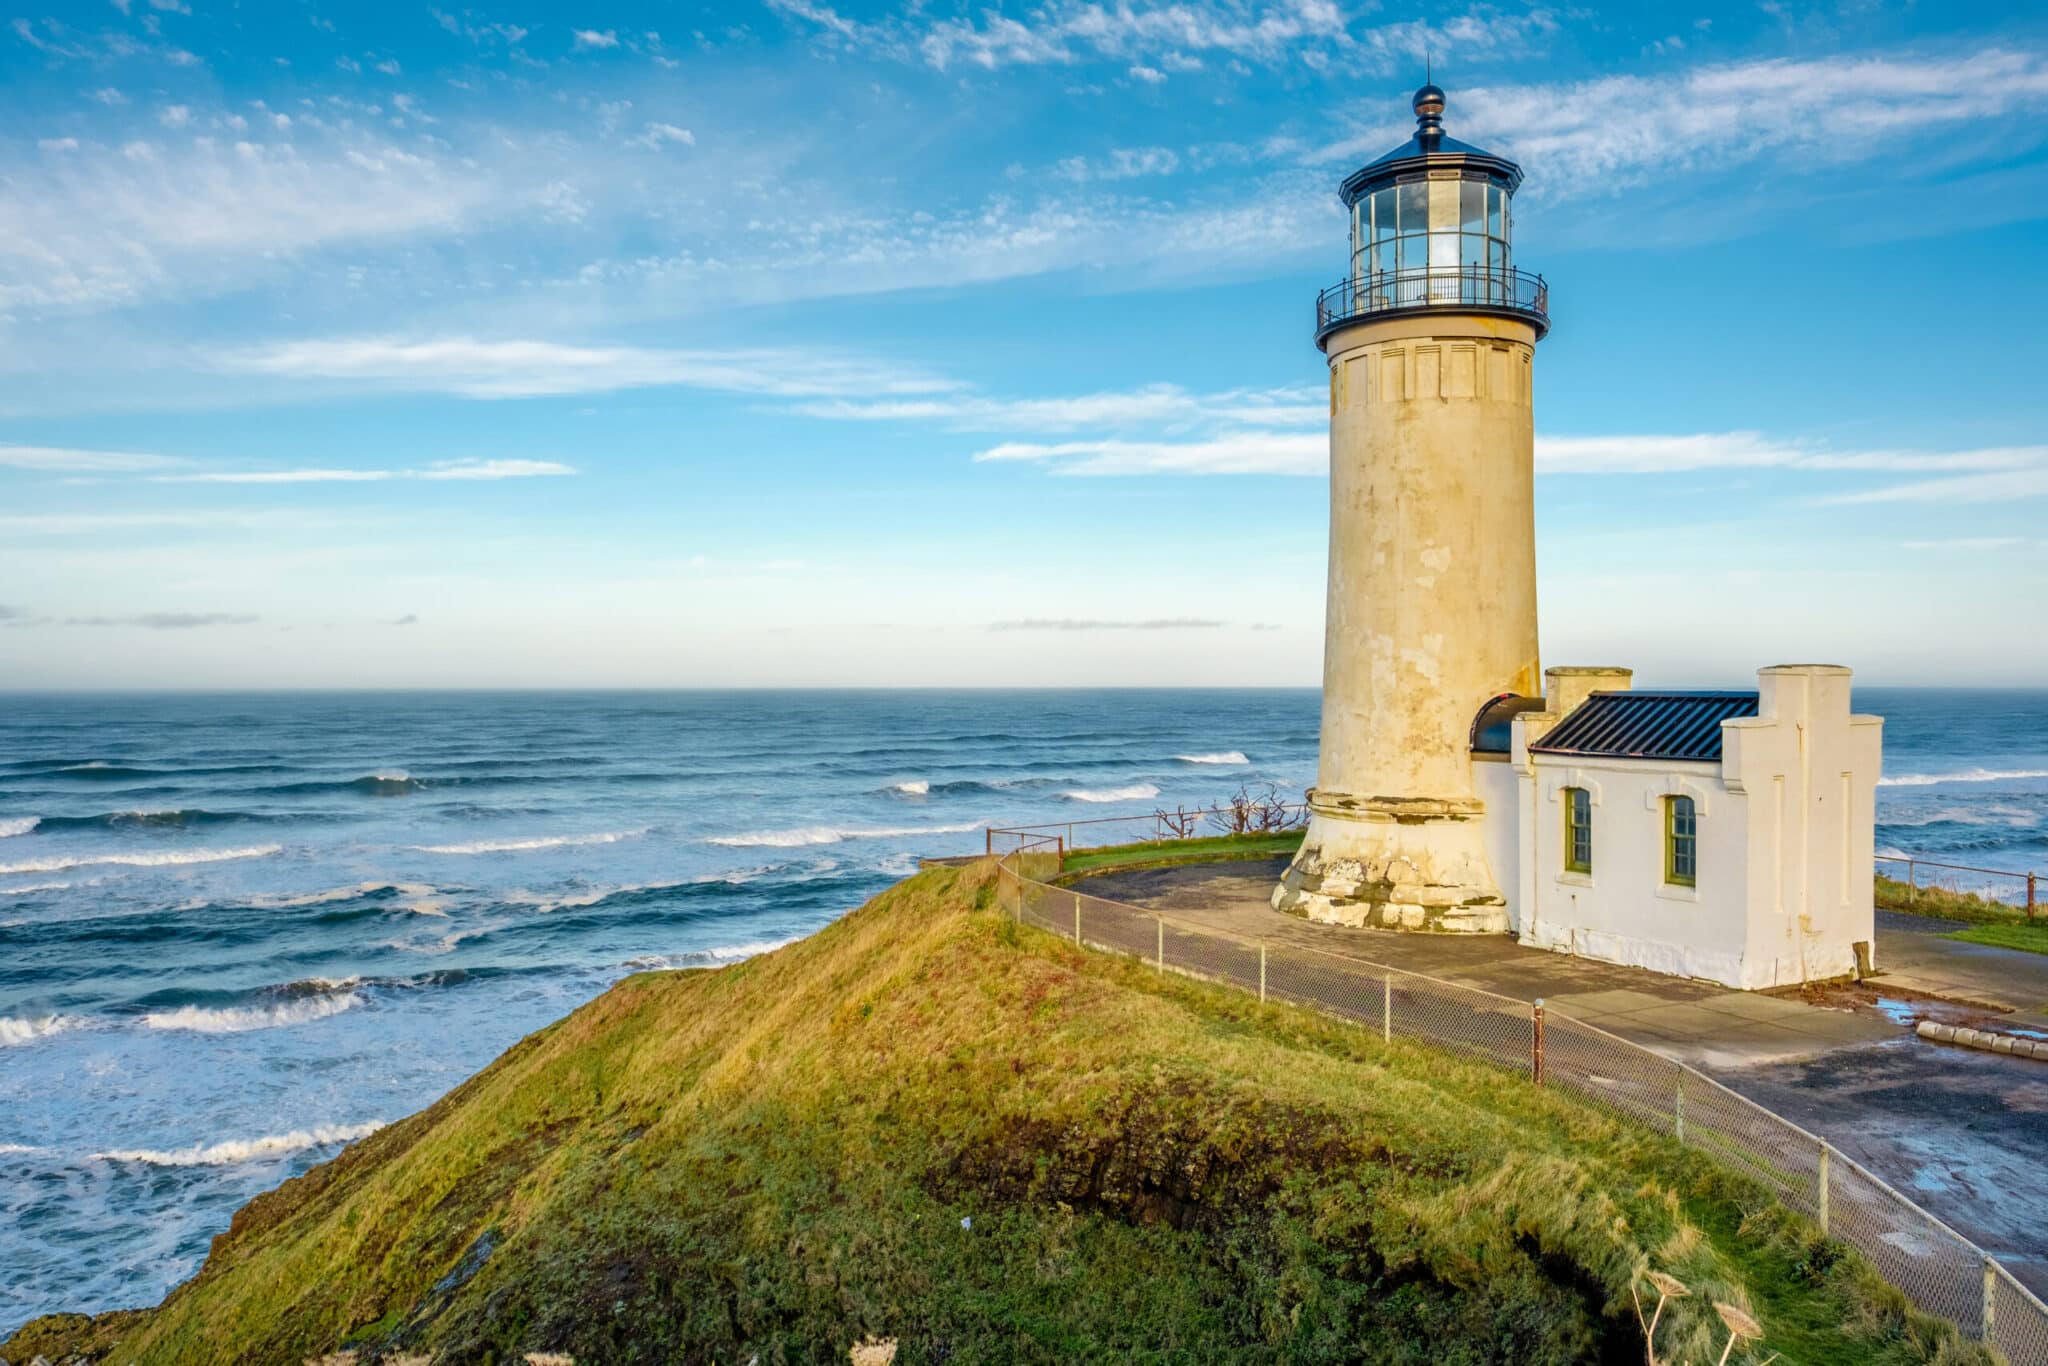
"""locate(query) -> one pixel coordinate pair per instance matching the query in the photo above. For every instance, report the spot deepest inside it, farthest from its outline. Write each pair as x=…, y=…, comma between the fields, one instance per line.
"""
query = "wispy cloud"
x=1245, y=453
x=596, y=38
x=169, y=621
x=449, y=469
x=1167, y=405
x=68, y=461
x=1086, y=624
x=527, y=369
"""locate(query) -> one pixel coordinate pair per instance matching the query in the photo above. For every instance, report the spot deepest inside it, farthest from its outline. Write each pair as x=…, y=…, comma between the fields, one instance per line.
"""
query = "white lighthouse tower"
x=1432, y=585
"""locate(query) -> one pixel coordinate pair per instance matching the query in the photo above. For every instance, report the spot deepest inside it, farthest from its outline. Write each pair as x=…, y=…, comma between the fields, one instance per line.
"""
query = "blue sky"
x=799, y=343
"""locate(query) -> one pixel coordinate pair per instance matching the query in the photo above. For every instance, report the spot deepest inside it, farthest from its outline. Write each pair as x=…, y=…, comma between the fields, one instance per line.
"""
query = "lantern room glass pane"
x=1471, y=252
x=1383, y=256
x=1383, y=220
x=1414, y=199
x=1472, y=206
x=1493, y=201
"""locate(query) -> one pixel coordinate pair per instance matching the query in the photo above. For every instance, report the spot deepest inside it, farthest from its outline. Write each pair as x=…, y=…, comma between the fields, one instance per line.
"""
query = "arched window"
x=1681, y=842
x=1578, y=830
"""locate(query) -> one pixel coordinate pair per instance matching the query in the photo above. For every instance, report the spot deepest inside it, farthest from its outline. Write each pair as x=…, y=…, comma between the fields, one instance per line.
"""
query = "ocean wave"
x=445, y=944
x=538, y=842
x=2001, y=817
x=15, y=1149
x=179, y=818
x=16, y=1030
x=704, y=958
x=1135, y=792
x=18, y=825
x=241, y=1019
x=289, y=900
x=804, y=836
x=387, y=783
x=158, y=859
x=1968, y=775
x=1229, y=756
x=240, y=1150
x=913, y=787
x=26, y=888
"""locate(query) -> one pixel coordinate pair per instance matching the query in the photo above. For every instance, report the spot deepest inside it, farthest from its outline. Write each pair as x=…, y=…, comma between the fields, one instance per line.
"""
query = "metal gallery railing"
x=1937, y=1268
x=1492, y=289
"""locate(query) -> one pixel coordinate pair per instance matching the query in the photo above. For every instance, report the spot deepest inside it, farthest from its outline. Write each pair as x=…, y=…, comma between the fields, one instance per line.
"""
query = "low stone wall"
x=1986, y=1040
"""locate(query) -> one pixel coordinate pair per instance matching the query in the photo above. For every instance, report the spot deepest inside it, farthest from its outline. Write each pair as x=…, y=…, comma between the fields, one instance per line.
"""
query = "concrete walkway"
x=1700, y=1023
x=1964, y=1134
x=1912, y=956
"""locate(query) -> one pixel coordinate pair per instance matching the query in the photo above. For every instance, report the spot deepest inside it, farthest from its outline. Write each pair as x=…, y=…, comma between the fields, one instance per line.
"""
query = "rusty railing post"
x=1678, y=1109
x=1536, y=1042
x=1990, y=1295
x=2030, y=896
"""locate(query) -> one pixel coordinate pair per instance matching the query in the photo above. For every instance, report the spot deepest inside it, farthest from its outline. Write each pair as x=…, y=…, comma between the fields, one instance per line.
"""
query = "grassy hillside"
x=928, y=1125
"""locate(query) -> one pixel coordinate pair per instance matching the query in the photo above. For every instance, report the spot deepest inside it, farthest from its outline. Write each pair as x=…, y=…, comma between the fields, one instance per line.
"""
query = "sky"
x=815, y=343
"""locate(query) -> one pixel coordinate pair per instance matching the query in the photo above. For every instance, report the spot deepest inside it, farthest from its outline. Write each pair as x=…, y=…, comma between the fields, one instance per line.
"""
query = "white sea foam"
x=1228, y=756
x=240, y=1150
x=537, y=842
x=1968, y=775
x=28, y=887
x=158, y=859
x=287, y=900
x=898, y=865
x=706, y=958
x=806, y=835
x=18, y=825
x=239, y=1019
x=1112, y=794
x=2008, y=817
x=912, y=787
x=27, y=1029
x=569, y=901
x=9, y=1149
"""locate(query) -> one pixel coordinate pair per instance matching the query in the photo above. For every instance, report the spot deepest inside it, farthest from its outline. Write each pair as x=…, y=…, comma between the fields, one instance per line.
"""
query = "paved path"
x=1963, y=1133
x=1696, y=1022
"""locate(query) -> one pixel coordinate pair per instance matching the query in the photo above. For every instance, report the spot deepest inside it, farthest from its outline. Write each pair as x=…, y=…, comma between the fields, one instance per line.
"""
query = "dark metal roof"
x=1430, y=149
x=1493, y=728
x=1648, y=725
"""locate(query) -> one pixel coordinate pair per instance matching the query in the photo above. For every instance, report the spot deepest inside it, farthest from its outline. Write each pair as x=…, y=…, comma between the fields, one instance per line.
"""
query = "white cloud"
x=1241, y=453
x=657, y=135
x=446, y=469
x=1167, y=405
x=1611, y=133
x=594, y=38
x=68, y=461
x=1122, y=163
x=174, y=115
x=525, y=369
x=57, y=144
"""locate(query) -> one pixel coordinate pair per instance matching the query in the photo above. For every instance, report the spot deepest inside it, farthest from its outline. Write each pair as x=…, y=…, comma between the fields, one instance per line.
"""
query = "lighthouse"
x=1431, y=609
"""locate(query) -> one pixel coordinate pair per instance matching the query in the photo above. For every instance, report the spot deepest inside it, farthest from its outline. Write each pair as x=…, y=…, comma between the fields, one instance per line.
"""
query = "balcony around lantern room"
x=1500, y=291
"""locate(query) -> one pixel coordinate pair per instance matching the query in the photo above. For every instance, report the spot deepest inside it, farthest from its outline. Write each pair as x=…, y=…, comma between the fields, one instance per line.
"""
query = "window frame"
x=1573, y=825
x=1672, y=876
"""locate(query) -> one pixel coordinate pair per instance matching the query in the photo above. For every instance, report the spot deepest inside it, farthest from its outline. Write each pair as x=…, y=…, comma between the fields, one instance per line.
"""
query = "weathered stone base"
x=1393, y=864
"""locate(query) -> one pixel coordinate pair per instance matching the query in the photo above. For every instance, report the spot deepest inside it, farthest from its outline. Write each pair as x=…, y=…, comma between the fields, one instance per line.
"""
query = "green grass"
x=927, y=1123
x=1203, y=848
x=1944, y=903
x=2027, y=936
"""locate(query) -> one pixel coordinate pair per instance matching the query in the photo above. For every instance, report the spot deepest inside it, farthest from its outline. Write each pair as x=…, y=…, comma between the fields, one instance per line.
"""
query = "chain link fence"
x=1937, y=1268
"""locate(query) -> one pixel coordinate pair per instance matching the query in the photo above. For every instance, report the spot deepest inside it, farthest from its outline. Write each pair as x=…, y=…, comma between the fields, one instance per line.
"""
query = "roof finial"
x=1429, y=114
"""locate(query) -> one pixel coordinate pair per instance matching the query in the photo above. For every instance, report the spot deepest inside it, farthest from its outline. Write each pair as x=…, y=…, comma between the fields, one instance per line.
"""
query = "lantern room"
x=1432, y=226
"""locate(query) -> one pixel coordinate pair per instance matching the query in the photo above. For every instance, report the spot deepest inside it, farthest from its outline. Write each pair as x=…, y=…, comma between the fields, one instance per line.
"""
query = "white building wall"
x=1809, y=769
x=1785, y=828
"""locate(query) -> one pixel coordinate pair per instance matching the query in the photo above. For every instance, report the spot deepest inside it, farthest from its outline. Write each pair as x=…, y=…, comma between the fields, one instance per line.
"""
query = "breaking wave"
x=914, y=787
x=1132, y=793
x=159, y=859
x=241, y=1150
x=806, y=835
x=178, y=819
x=1968, y=775
x=538, y=842
x=20, y=1030
x=705, y=958
x=18, y=825
x=241, y=1019
x=1228, y=756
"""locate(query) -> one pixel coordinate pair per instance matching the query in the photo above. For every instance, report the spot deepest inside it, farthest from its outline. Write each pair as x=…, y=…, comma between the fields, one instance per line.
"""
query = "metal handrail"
x=2029, y=881
x=1495, y=289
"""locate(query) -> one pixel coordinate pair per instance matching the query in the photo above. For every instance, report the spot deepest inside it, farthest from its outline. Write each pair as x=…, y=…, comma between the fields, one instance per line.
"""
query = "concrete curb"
x=1985, y=1040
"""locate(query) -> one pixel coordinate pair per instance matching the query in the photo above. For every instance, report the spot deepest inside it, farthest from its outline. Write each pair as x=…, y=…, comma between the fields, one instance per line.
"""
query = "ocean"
x=238, y=931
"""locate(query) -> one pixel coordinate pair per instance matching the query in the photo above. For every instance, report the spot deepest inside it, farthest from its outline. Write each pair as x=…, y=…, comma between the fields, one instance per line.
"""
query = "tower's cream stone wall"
x=1431, y=613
